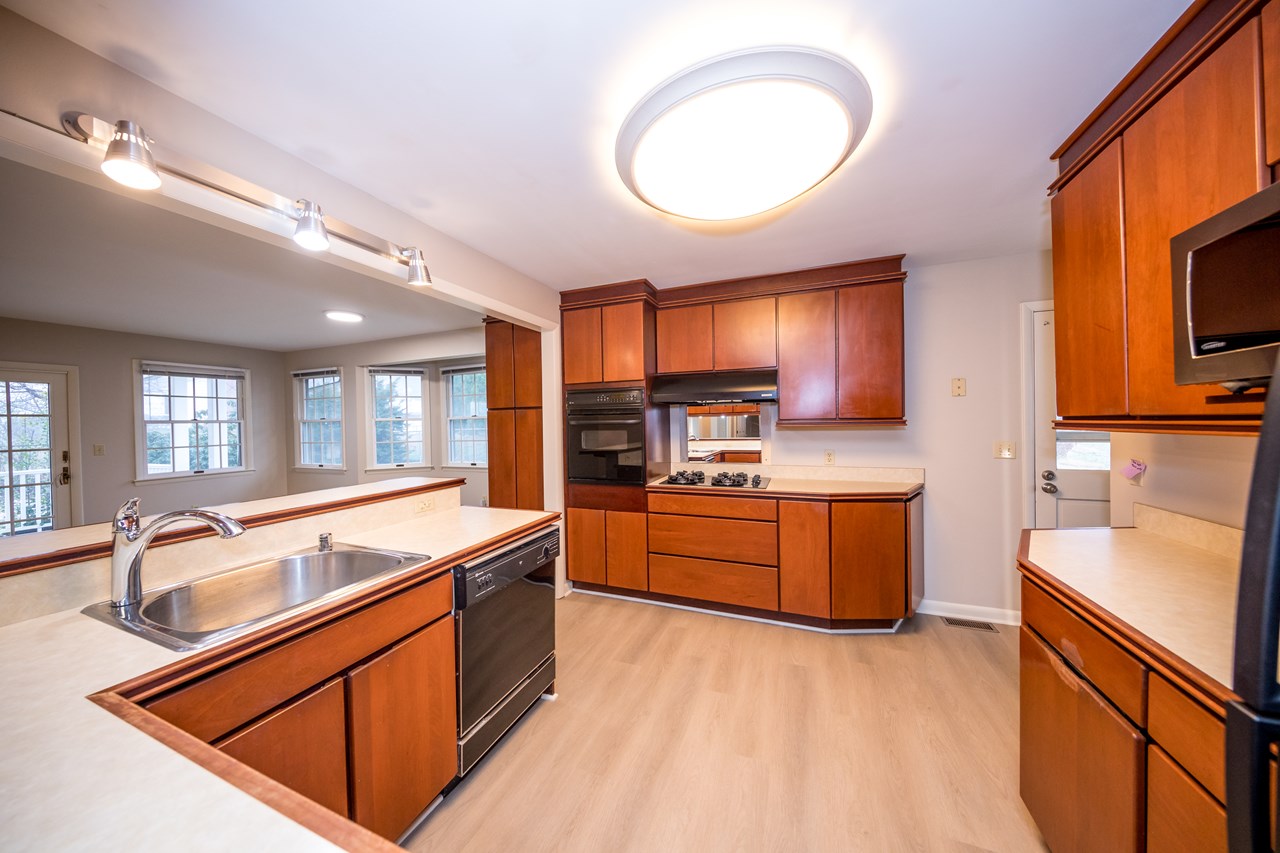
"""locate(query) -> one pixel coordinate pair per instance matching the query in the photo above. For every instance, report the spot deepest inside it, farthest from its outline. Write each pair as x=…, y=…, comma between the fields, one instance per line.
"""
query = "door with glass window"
x=35, y=461
x=1072, y=467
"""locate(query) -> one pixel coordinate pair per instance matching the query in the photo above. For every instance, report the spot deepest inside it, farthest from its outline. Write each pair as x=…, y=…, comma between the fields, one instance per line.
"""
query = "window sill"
x=319, y=469
x=464, y=467
x=384, y=469
x=212, y=475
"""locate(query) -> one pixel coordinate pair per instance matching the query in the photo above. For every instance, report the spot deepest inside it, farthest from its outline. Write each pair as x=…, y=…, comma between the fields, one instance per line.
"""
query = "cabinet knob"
x=1049, y=488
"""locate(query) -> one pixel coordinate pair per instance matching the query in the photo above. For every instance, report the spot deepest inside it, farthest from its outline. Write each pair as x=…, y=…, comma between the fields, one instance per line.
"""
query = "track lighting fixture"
x=129, y=159
x=310, y=233
x=419, y=275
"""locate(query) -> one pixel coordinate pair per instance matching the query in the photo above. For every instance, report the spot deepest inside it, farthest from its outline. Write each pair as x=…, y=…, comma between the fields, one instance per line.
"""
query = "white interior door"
x=35, y=460
x=1073, y=468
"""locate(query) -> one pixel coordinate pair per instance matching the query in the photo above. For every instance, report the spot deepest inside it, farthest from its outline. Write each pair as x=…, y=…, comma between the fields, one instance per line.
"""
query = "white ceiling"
x=78, y=255
x=495, y=122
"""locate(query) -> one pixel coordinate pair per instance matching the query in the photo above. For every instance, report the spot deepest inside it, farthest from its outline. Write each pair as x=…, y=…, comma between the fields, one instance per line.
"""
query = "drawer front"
x=1180, y=814
x=1191, y=734
x=1114, y=671
x=218, y=703
x=751, y=509
x=709, y=580
x=715, y=538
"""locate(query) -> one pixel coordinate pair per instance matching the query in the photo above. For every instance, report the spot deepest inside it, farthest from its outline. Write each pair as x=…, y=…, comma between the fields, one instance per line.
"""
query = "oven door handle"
x=609, y=421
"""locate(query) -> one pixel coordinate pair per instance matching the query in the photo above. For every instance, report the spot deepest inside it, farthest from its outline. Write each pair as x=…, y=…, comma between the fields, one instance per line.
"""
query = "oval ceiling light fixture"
x=344, y=316
x=128, y=160
x=310, y=233
x=743, y=133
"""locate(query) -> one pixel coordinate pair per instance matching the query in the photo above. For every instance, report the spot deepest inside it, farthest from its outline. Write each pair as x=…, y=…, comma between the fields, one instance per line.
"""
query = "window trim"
x=144, y=365
x=448, y=462
x=371, y=433
x=296, y=377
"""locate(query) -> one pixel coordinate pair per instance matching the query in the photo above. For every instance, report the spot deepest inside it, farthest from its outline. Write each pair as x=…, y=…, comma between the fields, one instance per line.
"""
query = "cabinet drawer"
x=716, y=538
x=1114, y=671
x=218, y=703
x=753, y=509
x=1180, y=814
x=710, y=580
x=1192, y=735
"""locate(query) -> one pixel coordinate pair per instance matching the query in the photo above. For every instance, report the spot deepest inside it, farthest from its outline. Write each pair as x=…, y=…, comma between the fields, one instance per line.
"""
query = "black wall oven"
x=605, y=436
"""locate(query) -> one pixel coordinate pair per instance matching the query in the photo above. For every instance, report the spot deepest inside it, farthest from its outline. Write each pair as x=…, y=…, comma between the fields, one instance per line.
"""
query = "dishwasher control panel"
x=477, y=580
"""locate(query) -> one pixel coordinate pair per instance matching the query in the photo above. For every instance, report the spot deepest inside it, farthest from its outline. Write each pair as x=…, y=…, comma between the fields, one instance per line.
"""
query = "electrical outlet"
x=425, y=504
x=829, y=457
x=959, y=387
x=1005, y=450
x=99, y=450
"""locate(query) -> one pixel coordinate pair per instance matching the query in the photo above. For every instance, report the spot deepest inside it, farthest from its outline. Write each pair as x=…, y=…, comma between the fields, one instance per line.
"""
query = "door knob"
x=1047, y=474
x=1049, y=488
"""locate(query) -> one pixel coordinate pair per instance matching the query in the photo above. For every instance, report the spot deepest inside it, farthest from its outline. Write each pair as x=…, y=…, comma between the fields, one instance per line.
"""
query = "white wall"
x=962, y=319
x=1201, y=476
x=431, y=352
x=105, y=363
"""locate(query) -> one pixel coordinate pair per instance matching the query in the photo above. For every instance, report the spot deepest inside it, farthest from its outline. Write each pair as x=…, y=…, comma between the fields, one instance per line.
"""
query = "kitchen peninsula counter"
x=77, y=776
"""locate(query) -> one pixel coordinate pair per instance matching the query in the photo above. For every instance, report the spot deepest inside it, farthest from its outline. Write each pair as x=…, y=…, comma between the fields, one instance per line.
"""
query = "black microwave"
x=1226, y=295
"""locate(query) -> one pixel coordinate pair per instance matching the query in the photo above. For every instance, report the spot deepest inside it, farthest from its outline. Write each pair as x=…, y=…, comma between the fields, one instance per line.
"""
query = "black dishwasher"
x=506, y=624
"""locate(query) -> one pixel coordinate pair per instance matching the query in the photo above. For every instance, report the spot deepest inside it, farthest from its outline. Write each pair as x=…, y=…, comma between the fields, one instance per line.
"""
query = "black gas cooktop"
x=724, y=480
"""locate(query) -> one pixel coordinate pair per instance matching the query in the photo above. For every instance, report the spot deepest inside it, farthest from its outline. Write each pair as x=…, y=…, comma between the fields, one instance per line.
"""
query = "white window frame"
x=299, y=409
x=371, y=423
x=445, y=416
x=145, y=366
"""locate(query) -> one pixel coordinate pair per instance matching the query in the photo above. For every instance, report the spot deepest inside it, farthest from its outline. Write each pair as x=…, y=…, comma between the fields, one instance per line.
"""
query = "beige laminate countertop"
x=74, y=776
x=1177, y=597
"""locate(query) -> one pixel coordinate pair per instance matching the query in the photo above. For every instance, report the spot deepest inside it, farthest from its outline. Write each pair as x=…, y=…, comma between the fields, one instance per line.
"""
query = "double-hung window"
x=194, y=419
x=319, y=415
x=467, y=417
x=398, y=414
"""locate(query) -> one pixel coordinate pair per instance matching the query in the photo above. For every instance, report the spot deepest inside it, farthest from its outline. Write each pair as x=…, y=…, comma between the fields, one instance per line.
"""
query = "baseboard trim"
x=970, y=611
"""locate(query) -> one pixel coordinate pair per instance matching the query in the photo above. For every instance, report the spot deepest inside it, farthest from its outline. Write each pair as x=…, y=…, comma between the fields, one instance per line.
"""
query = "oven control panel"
x=622, y=397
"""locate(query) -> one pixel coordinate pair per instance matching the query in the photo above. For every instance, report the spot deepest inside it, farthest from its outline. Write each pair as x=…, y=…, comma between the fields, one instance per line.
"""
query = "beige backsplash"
x=1218, y=538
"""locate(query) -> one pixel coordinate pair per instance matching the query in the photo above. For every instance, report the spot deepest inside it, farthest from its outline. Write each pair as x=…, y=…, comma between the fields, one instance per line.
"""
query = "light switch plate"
x=959, y=387
x=1005, y=450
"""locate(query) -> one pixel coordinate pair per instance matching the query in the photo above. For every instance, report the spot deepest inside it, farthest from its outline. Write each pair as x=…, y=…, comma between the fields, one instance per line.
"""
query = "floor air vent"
x=970, y=623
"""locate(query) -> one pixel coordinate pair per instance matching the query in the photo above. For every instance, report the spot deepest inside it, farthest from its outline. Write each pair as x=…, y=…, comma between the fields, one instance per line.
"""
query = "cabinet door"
x=1271, y=78
x=685, y=339
x=1180, y=814
x=527, y=357
x=626, y=549
x=807, y=356
x=1191, y=155
x=528, y=459
x=622, y=336
x=1088, y=291
x=502, y=458
x=585, y=548
x=580, y=337
x=1082, y=764
x=804, y=561
x=868, y=560
x=302, y=746
x=403, y=729
x=869, y=330
x=499, y=365
x=746, y=333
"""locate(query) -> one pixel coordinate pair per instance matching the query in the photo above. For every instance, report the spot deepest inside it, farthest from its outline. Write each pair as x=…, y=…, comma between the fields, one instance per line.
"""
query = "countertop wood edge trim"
x=327, y=824
x=98, y=550
x=1208, y=691
x=837, y=497
x=841, y=422
x=1247, y=425
x=205, y=661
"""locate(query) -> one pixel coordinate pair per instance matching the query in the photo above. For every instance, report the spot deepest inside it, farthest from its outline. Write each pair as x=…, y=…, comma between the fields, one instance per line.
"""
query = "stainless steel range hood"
x=743, y=386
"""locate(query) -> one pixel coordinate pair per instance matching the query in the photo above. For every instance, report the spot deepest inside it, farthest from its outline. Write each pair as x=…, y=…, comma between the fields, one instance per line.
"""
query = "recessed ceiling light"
x=344, y=316
x=743, y=133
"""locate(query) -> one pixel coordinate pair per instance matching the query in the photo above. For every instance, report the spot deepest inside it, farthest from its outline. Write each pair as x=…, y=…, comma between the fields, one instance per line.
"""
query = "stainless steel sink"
x=200, y=612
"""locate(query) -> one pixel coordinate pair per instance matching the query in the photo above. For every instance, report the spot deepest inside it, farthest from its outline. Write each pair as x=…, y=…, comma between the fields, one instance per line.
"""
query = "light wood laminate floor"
x=684, y=731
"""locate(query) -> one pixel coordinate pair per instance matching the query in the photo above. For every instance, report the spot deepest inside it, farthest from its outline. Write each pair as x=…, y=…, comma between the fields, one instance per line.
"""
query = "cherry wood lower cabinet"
x=607, y=547
x=877, y=568
x=403, y=726
x=1181, y=815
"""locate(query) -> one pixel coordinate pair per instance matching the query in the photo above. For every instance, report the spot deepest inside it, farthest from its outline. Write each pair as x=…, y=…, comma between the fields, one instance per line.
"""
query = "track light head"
x=419, y=275
x=310, y=233
x=128, y=160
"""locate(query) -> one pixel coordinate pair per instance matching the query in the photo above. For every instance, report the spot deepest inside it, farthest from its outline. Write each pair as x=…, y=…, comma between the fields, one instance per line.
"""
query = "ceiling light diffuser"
x=310, y=233
x=344, y=316
x=743, y=133
x=419, y=275
x=128, y=160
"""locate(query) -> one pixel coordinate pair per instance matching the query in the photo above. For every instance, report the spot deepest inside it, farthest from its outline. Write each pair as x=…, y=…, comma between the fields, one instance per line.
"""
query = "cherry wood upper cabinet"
x=1088, y=291
x=745, y=333
x=807, y=356
x=1271, y=78
x=513, y=365
x=403, y=722
x=605, y=343
x=685, y=339
x=527, y=366
x=870, y=365
x=1192, y=154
